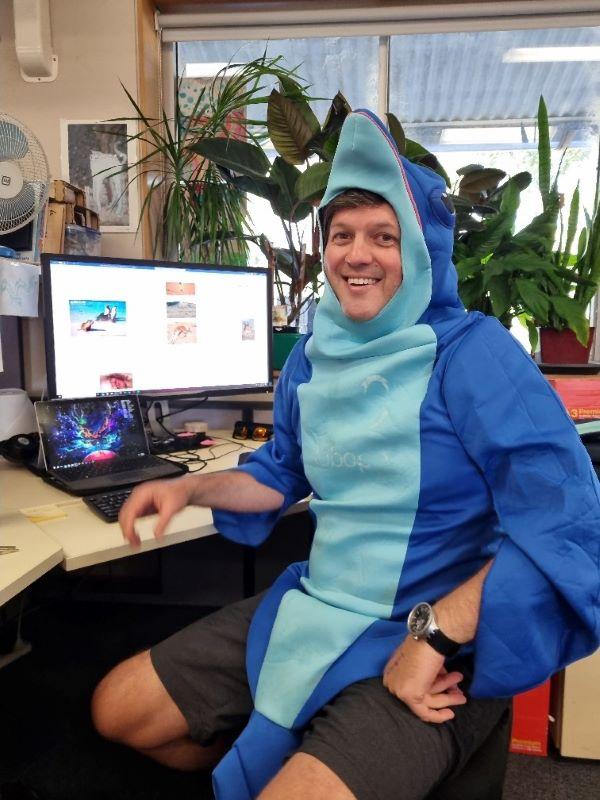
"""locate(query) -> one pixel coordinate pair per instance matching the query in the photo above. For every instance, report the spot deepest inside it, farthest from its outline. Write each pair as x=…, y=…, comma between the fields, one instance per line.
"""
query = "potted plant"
x=518, y=274
x=569, y=336
x=300, y=141
x=201, y=215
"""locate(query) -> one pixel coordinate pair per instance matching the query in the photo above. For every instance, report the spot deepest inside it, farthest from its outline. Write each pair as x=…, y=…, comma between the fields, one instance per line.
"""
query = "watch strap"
x=442, y=644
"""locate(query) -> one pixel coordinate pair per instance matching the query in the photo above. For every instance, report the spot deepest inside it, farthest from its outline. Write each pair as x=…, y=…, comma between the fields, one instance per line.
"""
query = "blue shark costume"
x=431, y=443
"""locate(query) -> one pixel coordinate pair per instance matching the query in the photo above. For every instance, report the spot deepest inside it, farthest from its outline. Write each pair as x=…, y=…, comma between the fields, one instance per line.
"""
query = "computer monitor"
x=154, y=327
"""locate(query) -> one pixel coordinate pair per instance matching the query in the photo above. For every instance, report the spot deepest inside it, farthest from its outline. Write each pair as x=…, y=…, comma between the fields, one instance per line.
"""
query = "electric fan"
x=23, y=175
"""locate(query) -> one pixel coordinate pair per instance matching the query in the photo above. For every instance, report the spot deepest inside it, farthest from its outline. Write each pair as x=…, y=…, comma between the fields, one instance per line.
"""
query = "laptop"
x=98, y=444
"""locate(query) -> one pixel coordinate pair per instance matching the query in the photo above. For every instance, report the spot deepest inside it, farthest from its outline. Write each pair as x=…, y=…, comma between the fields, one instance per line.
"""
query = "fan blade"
x=13, y=143
x=17, y=211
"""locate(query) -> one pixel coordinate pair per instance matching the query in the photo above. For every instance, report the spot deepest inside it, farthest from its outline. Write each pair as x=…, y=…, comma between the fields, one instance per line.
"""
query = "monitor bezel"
x=165, y=394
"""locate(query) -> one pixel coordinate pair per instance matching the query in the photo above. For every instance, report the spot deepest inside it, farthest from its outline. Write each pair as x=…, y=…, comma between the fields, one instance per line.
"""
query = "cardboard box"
x=63, y=192
x=91, y=219
x=531, y=721
x=581, y=396
x=54, y=237
x=576, y=709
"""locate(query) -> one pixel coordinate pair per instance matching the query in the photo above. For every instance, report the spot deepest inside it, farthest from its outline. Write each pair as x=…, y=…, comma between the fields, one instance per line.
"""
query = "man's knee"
x=304, y=777
x=131, y=706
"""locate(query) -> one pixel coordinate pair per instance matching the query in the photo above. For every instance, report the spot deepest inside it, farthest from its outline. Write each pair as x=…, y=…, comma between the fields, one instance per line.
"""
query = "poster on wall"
x=92, y=155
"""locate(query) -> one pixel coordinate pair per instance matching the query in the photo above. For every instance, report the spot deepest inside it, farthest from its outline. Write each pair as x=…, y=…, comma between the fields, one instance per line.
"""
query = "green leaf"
x=544, y=152
x=466, y=267
x=242, y=157
x=420, y=155
x=324, y=142
x=312, y=182
x=477, y=183
x=291, y=126
x=533, y=333
x=471, y=293
x=539, y=235
x=397, y=132
x=469, y=168
x=571, y=227
x=573, y=314
x=499, y=288
x=338, y=111
x=285, y=202
x=533, y=299
x=261, y=187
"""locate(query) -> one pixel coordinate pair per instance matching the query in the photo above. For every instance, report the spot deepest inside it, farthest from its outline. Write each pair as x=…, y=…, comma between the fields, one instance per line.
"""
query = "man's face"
x=362, y=259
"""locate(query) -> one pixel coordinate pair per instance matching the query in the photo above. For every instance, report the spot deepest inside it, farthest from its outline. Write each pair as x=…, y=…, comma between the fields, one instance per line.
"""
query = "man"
x=444, y=471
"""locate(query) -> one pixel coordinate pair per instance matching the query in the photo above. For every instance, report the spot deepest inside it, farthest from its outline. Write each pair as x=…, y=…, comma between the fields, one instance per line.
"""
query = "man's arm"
x=416, y=674
x=229, y=491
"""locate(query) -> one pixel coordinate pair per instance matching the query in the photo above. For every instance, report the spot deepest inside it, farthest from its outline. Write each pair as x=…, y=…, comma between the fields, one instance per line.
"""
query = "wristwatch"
x=422, y=624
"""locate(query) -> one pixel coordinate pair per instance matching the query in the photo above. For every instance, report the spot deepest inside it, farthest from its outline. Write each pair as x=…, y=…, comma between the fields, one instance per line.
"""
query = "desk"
x=37, y=554
x=80, y=538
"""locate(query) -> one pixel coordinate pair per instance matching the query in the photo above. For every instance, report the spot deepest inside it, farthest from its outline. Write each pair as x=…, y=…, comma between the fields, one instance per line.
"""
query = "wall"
x=96, y=47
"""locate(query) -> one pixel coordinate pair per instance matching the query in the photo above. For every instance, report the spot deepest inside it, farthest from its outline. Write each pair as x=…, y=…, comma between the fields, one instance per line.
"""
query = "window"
x=470, y=96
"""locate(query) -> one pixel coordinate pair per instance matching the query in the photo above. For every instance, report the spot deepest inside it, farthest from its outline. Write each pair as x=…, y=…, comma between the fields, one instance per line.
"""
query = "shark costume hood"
x=430, y=443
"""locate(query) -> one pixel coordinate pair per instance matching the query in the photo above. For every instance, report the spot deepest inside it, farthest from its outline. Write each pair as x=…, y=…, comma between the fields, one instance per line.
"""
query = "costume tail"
x=256, y=757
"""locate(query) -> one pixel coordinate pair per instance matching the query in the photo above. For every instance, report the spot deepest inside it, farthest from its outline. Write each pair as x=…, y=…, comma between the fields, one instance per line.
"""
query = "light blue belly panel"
x=365, y=467
x=307, y=637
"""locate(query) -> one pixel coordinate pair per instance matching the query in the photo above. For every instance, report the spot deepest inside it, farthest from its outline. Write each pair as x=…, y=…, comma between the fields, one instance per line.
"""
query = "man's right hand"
x=163, y=497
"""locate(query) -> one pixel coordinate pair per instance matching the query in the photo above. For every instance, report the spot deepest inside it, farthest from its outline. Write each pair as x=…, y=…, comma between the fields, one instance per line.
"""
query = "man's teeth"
x=362, y=281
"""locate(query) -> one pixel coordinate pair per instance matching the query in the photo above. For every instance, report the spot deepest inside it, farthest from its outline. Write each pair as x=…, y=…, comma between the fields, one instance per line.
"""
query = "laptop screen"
x=92, y=430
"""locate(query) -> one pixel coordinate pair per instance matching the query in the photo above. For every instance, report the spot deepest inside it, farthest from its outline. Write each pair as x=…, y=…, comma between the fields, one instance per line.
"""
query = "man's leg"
x=132, y=707
x=366, y=744
x=304, y=777
x=183, y=702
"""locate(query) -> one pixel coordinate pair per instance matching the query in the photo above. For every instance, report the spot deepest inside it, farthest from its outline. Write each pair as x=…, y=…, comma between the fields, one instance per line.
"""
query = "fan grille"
x=21, y=155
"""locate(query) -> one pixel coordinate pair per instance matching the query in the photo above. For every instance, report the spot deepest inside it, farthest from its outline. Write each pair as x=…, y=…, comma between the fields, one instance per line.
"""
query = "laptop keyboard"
x=108, y=504
x=98, y=468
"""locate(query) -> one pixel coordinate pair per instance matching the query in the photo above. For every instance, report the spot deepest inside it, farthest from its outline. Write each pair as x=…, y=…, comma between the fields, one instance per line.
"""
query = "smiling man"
x=457, y=520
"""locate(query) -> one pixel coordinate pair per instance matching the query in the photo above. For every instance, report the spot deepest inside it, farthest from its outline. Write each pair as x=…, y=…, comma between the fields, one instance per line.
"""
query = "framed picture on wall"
x=92, y=153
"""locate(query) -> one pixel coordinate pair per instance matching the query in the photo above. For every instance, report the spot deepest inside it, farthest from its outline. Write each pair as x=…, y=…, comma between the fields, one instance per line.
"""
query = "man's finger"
x=139, y=503
x=445, y=682
x=444, y=700
x=437, y=717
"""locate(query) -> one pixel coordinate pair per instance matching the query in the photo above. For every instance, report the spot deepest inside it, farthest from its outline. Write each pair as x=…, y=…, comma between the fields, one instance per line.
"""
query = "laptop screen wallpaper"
x=79, y=432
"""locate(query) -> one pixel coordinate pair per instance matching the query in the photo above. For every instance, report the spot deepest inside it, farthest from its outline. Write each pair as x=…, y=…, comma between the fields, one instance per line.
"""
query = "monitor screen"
x=113, y=326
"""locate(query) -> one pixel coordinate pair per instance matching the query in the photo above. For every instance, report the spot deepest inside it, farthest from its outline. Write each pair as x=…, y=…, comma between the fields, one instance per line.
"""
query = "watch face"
x=419, y=619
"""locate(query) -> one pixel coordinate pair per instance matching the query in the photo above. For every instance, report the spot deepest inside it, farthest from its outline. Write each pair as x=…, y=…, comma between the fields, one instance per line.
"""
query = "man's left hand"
x=416, y=675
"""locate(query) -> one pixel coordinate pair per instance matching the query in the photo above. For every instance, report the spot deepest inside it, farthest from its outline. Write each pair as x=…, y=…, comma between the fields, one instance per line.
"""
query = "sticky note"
x=45, y=513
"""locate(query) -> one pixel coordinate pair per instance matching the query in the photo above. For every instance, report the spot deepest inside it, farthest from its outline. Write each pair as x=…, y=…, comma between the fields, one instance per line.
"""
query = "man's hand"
x=165, y=497
x=416, y=675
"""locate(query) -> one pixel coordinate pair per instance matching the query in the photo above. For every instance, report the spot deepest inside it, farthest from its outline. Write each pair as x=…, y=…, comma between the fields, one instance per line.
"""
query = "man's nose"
x=359, y=252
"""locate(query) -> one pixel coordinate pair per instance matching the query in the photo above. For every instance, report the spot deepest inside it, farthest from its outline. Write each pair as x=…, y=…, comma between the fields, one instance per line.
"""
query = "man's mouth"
x=352, y=281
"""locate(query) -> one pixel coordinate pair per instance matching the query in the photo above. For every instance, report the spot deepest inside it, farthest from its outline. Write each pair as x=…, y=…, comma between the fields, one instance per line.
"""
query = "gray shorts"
x=368, y=737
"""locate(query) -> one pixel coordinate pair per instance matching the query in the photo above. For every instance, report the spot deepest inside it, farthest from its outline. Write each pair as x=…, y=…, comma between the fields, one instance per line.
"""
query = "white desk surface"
x=80, y=538
x=37, y=554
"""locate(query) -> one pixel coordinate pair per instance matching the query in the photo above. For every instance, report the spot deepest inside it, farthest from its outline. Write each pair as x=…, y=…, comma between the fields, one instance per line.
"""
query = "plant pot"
x=562, y=347
x=283, y=342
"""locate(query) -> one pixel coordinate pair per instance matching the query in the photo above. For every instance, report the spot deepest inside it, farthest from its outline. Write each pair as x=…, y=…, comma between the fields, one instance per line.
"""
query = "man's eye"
x=340, y=236
x=386, y=238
